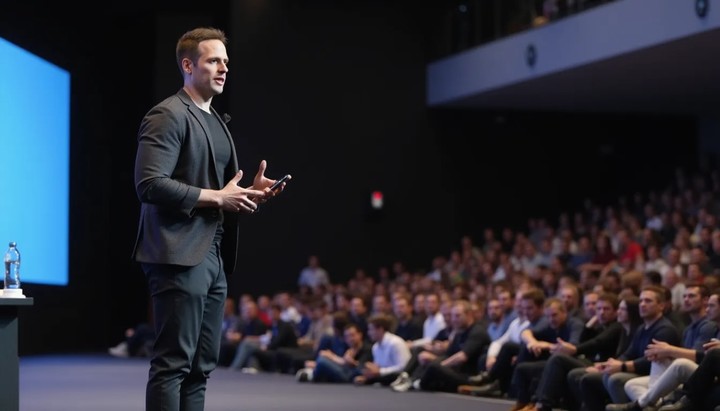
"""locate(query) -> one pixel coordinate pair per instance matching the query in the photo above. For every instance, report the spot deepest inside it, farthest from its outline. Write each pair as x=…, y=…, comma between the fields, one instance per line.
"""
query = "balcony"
x=657, y=56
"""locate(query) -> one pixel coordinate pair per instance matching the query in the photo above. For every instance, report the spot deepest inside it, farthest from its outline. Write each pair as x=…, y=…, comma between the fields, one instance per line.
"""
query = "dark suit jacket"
x=175, y=159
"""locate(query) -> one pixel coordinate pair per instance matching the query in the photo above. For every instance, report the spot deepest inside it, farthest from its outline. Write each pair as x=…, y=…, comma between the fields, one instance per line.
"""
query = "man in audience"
x=701, y=391
x=433, y=323
x=497, y=325
x=647, y=391
x=247, y=327
x=552, y=388
x=497, y=380
x=538, y=344
x=445, y=372
x=599, y=388
x=390, y=353
x=340, y=368
x=407, y=327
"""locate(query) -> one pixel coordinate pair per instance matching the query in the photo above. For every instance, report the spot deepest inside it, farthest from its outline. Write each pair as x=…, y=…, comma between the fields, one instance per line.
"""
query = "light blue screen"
x=34, y=164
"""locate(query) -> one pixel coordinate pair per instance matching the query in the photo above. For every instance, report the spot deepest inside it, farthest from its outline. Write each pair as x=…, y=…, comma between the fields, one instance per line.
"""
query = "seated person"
x=390, y=353
x=343, y=368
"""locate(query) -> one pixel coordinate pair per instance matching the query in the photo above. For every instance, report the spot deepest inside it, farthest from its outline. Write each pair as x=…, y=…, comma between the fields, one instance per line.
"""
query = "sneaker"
x=416, y=385
x=120, y=350
x=403, y=386
x=304, y=375
x=401, y=379
x=249, y=370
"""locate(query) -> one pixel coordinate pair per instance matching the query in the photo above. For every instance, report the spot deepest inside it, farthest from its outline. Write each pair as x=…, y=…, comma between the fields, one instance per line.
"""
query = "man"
x=539, y=342
x=596, y=387
x=673, y=365
x=497, y=380
x=496, y=319
x=248, y=327
x=408, y=326
x=389, y=352
x=552, y=388
x=433, y=322
x=186, y=177
x=701, y=390
x=313, y=276
x=445, y=370
x=344, y=367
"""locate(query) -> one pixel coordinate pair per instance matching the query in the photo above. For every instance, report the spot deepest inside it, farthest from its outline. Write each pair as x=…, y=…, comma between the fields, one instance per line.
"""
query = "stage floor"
x=98, y=382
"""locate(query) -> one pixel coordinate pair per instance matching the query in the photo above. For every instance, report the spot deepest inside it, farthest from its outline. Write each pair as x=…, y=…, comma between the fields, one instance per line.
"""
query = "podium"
x=9, y=358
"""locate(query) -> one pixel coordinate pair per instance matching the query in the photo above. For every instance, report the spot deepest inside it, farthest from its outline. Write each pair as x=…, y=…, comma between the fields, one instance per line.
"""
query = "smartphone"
x=279, y=182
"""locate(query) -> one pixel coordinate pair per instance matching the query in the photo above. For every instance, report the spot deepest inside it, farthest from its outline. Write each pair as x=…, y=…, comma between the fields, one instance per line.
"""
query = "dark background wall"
x=332, y=92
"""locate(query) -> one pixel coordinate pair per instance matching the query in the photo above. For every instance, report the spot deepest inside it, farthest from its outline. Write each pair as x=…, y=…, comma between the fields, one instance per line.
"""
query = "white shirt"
x=431, y=327
x=516, y=327
x=391, y=354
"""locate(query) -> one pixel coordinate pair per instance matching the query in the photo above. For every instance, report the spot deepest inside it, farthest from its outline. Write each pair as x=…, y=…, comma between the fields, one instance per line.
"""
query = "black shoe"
x=488, y=390
x=480, y=379
x=683, y=404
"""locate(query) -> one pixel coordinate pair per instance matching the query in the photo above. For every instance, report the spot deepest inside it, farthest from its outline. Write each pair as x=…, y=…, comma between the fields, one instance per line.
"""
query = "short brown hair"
x=187, y=45
x=536, y=295
x=381, y=321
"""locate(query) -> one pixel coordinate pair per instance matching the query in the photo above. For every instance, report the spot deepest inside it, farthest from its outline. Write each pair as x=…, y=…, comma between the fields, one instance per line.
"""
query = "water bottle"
x=12, y=270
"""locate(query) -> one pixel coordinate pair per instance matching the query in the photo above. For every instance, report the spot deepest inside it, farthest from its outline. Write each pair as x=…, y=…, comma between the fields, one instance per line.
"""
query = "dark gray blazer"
x=175, y=159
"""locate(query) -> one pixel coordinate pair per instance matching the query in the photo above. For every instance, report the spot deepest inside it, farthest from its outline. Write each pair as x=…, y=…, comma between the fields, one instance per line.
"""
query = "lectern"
x=9, y=358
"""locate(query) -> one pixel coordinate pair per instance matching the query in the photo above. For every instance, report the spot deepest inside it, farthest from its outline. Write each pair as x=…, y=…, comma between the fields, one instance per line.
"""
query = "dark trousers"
x=702, y=387
x=441, y=378
x=552, y=387
x=386, y=379
x=525, y=378
x=413, y=367
x=289, y=360
x=593, y=394
x=503, y=368
x=188, y=304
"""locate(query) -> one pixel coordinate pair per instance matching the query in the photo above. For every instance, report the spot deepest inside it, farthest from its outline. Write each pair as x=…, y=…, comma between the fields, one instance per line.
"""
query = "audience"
x=654, y=257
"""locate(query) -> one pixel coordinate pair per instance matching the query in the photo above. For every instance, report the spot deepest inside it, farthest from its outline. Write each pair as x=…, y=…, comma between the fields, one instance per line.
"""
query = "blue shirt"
x=661, y=330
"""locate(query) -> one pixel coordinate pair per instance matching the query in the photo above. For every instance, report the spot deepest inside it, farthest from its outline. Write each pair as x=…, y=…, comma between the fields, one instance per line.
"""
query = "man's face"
x=713, y=308
x=692, y=300
x=506, y=302
x=590, y=304
x=605, y=312
x=494, y=310
x=458, y=317
x=432, y=305
x=380, y=304
x=650, y=306
x=402, y=309
x=352, y=336
x=419, y=303
x=357, y=306
x=208, y=75
x=374, y=333
x=568, y=297
x=531, y=311
x=556, y=316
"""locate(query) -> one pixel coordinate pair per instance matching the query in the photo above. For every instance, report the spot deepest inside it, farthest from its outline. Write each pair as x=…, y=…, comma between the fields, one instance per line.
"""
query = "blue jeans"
x=328, y=371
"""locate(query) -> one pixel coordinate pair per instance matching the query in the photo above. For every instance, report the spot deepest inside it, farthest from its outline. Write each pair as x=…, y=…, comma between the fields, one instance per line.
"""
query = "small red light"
x=376, y=200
